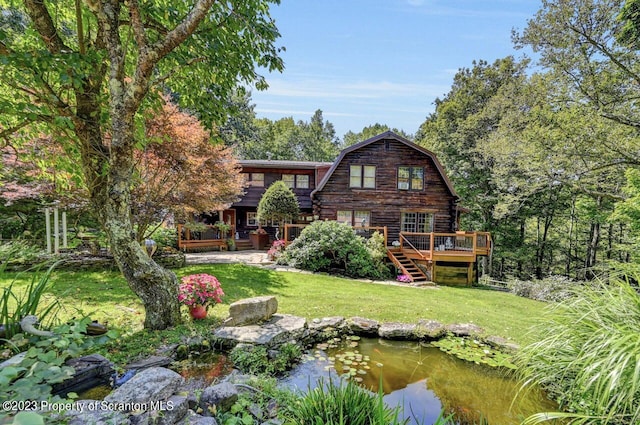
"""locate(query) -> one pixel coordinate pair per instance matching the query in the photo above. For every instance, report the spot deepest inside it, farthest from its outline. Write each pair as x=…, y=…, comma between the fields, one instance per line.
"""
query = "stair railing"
x=416, y=250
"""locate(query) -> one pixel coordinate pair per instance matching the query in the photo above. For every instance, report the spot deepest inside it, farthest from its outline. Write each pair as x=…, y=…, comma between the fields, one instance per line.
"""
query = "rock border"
x=153, y=395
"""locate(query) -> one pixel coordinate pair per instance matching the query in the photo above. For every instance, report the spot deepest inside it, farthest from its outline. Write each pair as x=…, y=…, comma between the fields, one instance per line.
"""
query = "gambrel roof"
x=386, y=136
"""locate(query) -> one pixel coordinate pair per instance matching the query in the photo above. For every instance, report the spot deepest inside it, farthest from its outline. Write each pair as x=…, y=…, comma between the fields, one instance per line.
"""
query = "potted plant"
x=259, y=238
x=231, y=244
x=198, y=292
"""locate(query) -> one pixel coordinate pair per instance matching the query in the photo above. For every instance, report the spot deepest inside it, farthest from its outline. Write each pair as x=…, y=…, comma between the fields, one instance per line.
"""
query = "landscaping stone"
x=176, y=409
x=221, y=396
x=502, y=344
x=195, y=419
x=393, y=330
x=151, y=361
x=87, y=413
x=89, y=371
x=464, y=329
x=334, y=322
x=430, y=329
x=251, y=310
x=362, y=326
x=153, y=384
x=280, y=329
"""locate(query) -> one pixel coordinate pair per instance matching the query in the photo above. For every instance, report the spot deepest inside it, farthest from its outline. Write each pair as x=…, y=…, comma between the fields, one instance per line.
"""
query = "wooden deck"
x=211, y=238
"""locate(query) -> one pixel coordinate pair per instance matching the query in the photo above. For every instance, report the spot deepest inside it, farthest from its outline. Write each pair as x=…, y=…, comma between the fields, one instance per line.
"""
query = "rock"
x=394, y=330
x=220, y=396
x=319, y=325
x=430, y=329
x=90, y=412
x=280, y=329
x=170, y=412
x=152, y=384
x=362, y=326
x=195, y=419
x=464, y=329
x=89, y=371
x=251, y=310
x=502, y=344
x=151, y=361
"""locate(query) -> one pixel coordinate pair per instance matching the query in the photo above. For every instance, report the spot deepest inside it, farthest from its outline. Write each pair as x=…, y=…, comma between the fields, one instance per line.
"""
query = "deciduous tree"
x=86, y=68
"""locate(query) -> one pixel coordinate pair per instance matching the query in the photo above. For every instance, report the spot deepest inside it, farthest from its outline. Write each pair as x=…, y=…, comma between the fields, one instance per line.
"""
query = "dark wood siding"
x=253, y=193
x=386, y=202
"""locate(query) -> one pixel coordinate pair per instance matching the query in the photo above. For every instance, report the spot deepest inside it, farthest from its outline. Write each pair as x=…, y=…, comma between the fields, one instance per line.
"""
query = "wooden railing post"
x=432, y=239
x=475, y=243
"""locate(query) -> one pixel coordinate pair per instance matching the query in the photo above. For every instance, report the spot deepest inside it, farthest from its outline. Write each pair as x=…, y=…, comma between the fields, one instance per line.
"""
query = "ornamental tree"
x=278, y=203
x=180, y=170
x=82, y=71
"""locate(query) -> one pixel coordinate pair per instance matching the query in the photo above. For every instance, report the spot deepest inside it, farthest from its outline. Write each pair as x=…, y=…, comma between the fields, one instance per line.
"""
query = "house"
x=384, y=183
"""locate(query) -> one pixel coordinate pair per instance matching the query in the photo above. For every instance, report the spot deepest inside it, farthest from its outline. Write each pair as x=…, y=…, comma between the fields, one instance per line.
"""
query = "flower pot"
x=198, y=312
x=259, y=240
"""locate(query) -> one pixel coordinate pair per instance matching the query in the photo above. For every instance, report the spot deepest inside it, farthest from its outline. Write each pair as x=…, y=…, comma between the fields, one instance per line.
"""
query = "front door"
x=229, y=217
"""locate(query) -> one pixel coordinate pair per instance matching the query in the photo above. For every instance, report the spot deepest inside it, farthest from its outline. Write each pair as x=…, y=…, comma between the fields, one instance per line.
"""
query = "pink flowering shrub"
x=403, y=278
x=200, y=289
x=276, y=249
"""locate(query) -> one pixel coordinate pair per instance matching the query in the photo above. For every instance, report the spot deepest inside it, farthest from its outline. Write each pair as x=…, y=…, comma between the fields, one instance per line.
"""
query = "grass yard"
x=105, y=297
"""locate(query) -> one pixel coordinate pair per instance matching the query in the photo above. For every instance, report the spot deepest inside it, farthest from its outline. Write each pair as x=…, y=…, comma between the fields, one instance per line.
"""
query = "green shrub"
x=587, y=355
x=20, y=251
x=256, y=360
x=344, y=404
x=329, y=245
x=549, y=289
x=165, y=236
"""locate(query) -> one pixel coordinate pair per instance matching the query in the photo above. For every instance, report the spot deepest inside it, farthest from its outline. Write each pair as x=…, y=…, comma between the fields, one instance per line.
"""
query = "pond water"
x=424, y=381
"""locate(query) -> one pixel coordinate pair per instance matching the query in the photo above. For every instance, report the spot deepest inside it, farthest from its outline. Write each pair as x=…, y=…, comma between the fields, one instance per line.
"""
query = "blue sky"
x=382, y=61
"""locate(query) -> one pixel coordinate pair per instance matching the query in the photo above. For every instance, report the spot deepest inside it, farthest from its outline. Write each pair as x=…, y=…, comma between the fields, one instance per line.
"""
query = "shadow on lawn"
x=238, y=280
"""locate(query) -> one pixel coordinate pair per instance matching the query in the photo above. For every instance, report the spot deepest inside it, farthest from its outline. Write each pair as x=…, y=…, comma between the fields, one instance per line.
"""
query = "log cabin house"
x=385, y=183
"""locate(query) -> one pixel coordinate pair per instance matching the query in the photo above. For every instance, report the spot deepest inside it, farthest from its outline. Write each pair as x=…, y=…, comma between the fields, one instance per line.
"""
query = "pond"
x=423, y=380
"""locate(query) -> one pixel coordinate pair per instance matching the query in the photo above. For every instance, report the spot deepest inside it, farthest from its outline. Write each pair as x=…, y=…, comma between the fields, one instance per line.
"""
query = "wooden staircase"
x=243, y=244
x=407, y=266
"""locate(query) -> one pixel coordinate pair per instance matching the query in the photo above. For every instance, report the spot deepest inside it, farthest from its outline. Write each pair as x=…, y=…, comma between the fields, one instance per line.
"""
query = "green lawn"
x=106, y=297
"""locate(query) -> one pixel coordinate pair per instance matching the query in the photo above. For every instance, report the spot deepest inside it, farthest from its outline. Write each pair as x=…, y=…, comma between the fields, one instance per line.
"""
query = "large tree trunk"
x=110, y=197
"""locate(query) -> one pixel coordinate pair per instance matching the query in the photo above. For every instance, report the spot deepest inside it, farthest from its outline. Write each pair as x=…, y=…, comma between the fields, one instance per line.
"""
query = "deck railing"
x=209, y=237
x=460, y=243
x=292, y=231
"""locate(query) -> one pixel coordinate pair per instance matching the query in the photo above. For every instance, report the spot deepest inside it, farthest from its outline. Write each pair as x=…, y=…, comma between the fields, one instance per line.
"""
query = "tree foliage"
x=180, y=171
x=82, y=71
x=278, y=203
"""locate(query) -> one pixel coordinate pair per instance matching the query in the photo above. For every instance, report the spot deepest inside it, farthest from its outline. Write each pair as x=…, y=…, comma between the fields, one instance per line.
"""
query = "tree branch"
x=44, y=25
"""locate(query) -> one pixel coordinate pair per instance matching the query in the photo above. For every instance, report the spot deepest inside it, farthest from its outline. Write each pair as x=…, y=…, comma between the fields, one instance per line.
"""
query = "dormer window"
x=362, y=176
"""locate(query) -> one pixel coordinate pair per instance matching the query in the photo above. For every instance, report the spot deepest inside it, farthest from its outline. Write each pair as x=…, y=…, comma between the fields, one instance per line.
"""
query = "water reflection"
x=425, y=381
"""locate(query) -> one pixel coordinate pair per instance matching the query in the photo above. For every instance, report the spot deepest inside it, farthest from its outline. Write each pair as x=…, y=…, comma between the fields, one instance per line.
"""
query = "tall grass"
x=344, y=404
x=17, y=303
x=588, y=356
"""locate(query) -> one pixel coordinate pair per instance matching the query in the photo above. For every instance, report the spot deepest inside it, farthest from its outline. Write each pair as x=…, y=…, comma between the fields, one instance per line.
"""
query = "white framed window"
x=417, y=221
x=344, y=216
x=354, y=218
x=302, y=181
x=410, y=178
x=289, y=180
x=362, y=176
x=252, y=219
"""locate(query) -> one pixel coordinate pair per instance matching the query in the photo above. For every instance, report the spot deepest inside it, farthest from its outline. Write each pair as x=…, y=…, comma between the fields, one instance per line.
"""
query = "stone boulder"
x=465, y=329
x=251, y=310
x=362, y=326
x=219, y=397
x=280, y=329
x=430, y=329
x=152, y=384
x=194, y=419
x=404, y=331
x=88, y=412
